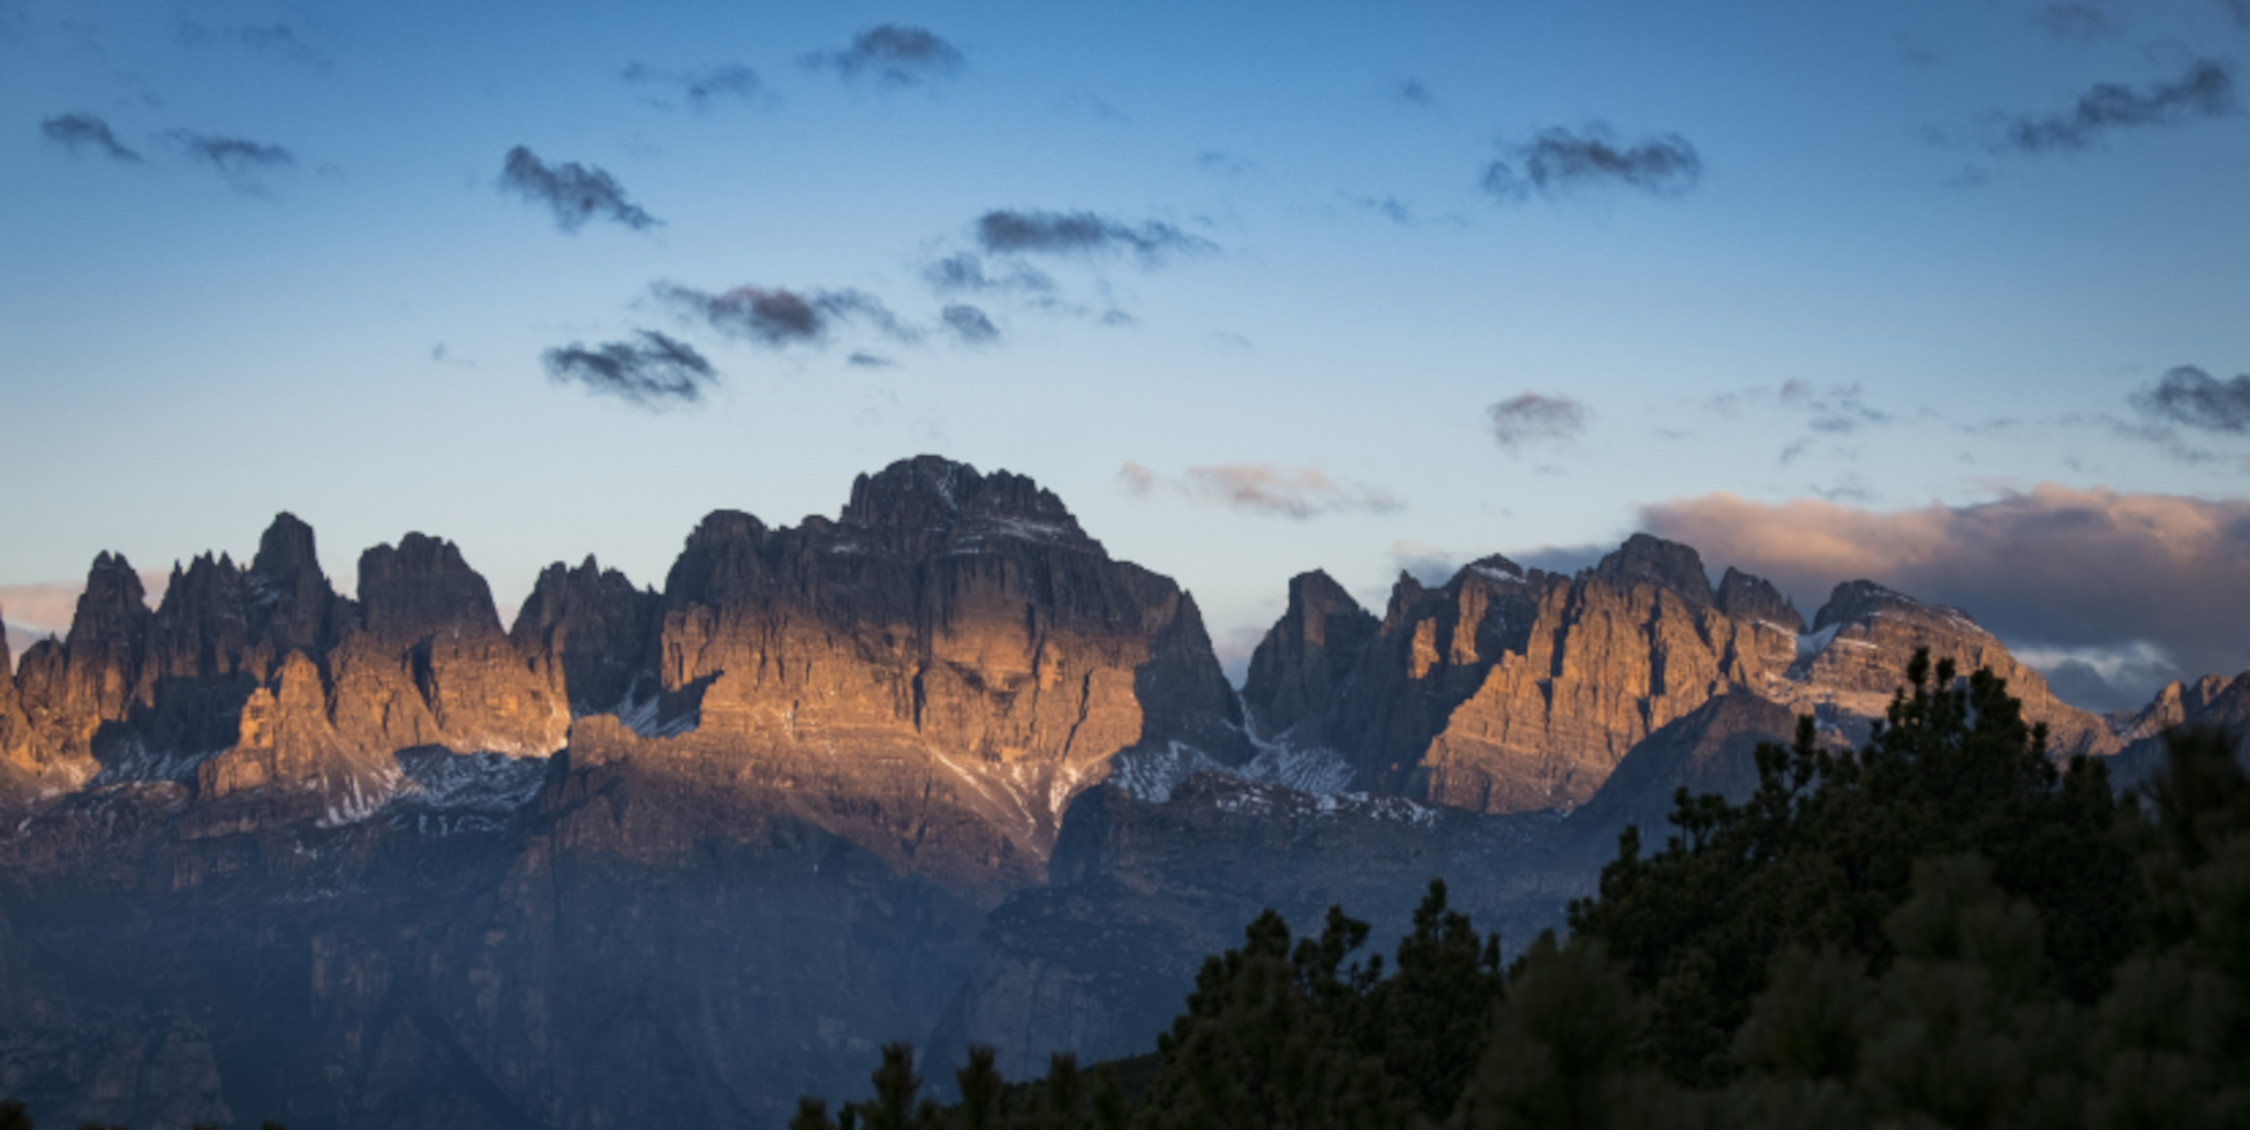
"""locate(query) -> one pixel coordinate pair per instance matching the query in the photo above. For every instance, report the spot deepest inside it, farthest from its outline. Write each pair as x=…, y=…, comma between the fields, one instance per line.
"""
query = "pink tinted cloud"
x=2053, y=567
x=1262, y=488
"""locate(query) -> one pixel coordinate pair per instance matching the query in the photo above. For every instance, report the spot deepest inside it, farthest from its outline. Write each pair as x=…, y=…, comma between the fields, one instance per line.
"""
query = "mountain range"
x=939, y=770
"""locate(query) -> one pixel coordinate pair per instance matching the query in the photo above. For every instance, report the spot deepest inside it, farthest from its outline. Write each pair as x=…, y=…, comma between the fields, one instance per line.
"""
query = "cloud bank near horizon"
x=2133, y=588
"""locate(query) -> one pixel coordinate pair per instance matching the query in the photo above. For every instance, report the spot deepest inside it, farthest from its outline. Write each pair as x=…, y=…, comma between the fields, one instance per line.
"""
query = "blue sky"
x=1893, y=260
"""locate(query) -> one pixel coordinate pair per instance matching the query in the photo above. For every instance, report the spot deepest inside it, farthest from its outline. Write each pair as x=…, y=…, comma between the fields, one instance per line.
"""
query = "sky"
x=1951, y=294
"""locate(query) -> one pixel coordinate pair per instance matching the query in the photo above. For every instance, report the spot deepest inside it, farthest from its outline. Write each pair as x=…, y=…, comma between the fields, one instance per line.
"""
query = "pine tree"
x=1257, y=1048
x=1823, y=850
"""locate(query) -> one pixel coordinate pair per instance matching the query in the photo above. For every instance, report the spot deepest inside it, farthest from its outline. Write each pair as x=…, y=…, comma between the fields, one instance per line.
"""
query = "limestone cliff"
x=74, y=694
x=588, y=633
x=1850, y=665
x=16, y=770
x=1307, y=657
x=951, y=657
x=427, y=663
x=1508, y=691
x=285, y=738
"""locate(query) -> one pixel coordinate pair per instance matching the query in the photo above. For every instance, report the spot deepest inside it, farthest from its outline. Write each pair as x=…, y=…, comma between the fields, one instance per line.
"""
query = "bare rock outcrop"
x=951, y=635
x=285, y=738
x=1852, y=662
x=77, y=691
x=17, y=779
x=1507, y=690
x=588, y=632
x=1308, y=655
x=428, y=664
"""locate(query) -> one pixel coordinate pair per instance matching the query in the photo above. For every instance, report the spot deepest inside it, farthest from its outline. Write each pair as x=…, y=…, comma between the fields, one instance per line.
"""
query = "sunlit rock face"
x=1507, y=690
x=949, y=660
x=588, y=633
x=936, y=672
x=647, y=858
x=1307, y=657
x=1847, y=669
x=268, y=671
x=937, y=769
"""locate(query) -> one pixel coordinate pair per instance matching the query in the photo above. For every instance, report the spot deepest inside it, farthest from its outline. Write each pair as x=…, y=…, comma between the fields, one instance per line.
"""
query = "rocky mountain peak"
x=1645, y=557
x=114, y=607
x=914, y=500
x=285, y=550
x=591, y=628
x=724, y=556
x=1406, y=595
x=1860, y=600
x=204, y=582
x=420, y=588
x=1494, y=567
x=290, y=604
x=1743, y=596
x=1306, y=656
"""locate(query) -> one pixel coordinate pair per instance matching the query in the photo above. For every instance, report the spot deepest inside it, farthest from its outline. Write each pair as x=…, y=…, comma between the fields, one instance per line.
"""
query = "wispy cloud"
x=1402, y=213
x=1531, y=418
x=1413, y=91
x=2054, y=567
x=2204, y=91
x=575, y=193
x=2079, y=22
x=892, y=54
x=653, y=370
x=1831, y=410
x=79, y=132
x=1016, y=231
x=1828, y=412
x=276, y=39
x=2191, y=398
x=1263, y=489
x=778, y=316
x=703, y=87
x=1223, y=162
x=969, y=324
x=965, y=272
x=1561, y=161
x=244, y=163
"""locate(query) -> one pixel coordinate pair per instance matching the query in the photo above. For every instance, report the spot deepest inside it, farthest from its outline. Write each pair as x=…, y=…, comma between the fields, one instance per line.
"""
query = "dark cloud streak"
x=780, y=317
x=2192, y=398
x=574, y=192
x=895, y=54
x=969, y=324
x=1536, y=417
x=1562, y=160
x=2206, y=90
x=656, y=371
x=81, y=131
x=1011, y=231
x=241, y=161
x=964, y=272
x=704, y=86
